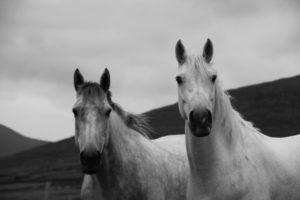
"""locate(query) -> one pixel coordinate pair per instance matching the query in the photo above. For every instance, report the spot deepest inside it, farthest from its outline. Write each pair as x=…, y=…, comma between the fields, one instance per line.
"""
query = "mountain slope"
x=274, y=107
x=12, y=142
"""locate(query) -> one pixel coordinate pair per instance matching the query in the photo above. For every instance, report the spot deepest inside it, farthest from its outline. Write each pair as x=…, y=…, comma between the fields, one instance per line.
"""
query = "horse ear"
x=105, y=80
x=208, y=51
x=78, y=79
x=180, y=52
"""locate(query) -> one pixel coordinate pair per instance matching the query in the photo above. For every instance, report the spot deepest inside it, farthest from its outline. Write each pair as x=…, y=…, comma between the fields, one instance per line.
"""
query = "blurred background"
x=43, y=42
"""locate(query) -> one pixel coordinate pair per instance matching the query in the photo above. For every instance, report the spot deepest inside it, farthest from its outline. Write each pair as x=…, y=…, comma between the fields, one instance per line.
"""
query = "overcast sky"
x=43, y=42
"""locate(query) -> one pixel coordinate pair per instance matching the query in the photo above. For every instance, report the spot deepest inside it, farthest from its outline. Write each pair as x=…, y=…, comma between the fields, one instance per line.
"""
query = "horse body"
x=286, y=168
x=137, y=168
x=228, y=157
x=119, y=161
x=253, y=166
x=172, y=143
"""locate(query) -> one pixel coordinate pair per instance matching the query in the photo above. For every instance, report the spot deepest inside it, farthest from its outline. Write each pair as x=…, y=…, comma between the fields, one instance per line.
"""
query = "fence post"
x=47, y=190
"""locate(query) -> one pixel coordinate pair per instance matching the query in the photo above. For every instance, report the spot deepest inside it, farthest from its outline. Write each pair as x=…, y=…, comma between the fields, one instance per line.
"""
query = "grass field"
x=39, y=190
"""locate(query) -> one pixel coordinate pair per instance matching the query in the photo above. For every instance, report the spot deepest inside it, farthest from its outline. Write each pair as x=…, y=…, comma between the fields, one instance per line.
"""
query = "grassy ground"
x=25, y=175
x=38, y=190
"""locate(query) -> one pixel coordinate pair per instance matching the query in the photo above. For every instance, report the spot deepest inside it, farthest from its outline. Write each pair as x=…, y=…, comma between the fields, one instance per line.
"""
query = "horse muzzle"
x=90, y=161
x=200, y=122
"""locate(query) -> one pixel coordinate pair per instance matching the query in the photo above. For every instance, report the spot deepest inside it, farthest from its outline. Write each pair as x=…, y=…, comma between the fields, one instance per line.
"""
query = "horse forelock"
x=199, y=65
x=91, y=90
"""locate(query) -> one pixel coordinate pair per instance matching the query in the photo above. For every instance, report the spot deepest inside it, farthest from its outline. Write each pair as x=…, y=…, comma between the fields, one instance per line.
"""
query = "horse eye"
x=213, y=78
x=107, y=113
x=75, y=112
x=179, y=80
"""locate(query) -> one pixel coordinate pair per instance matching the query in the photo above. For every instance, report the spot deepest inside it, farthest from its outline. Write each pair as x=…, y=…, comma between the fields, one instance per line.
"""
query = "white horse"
x=228, y=157
x=120, y=163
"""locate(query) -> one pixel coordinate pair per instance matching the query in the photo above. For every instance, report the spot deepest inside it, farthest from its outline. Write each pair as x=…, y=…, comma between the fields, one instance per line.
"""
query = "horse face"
x=196, y=88
x=91, y=112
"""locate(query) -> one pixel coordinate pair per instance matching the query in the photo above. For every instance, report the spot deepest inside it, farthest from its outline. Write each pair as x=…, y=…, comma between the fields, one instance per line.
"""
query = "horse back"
x=283, y=167
x=173, y=143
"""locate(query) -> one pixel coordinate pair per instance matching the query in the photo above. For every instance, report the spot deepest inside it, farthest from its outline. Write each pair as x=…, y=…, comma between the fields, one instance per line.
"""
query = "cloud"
x=42, y=43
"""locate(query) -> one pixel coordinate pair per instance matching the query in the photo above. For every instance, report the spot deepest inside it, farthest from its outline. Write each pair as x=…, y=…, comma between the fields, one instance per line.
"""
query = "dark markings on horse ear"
x=105, y=80
x=78, y=79
x=180, y=52
x=208, y=51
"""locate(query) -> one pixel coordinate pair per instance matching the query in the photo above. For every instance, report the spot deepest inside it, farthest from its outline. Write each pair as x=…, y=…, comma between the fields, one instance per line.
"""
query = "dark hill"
x=166, y=121
x=12, y=142
x=274, y=107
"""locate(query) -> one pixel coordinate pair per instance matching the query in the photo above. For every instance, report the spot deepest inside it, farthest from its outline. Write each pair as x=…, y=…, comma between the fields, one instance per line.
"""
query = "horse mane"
x=137, y=122
x=224, y=102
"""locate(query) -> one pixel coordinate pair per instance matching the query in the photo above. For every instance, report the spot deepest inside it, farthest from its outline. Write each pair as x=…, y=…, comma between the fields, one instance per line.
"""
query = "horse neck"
x=226, y=121
x=122, y=156
x=206, y=153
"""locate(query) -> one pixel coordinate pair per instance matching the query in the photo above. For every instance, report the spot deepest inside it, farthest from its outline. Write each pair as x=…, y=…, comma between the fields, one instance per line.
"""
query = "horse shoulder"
x=174, y=156
x=286, y=150
x=281, y=163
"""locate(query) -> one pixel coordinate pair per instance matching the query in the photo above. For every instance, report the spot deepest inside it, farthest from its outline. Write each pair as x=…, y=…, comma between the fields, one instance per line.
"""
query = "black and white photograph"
x=149, y=100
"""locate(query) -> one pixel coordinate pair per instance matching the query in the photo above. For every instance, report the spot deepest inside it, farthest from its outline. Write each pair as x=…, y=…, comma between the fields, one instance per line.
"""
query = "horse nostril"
x=90, y=158
x=191, y=116
x=209, y=118
x=200, y=122
x=98, y=158
x=200, y=118
x=205, y=118
x=82, y=160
